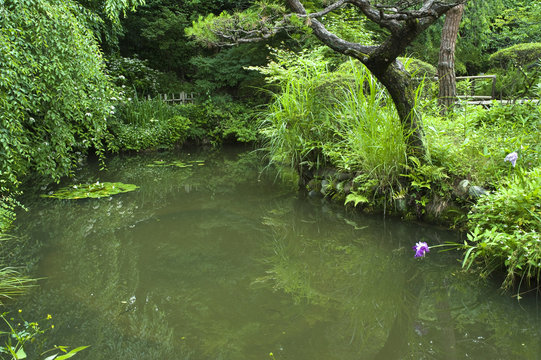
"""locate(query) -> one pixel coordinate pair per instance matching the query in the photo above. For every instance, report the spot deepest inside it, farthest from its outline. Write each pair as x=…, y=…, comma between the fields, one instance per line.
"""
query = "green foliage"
x=486, y=27
x=256, y=21
x=21, y=334
x=506, y=228
x=518, y=69
x=12, y=282
x=94, y=191
x=371, y=135
x=474, y=141
x=296, y=124
x=520, y=54
x=148, y=124
x=54, y=96
x=135, y=77
x=156, y=33
x=418, y=68
x=152, y=124
x=340, y=118
x=226, y=70
x=216, y=122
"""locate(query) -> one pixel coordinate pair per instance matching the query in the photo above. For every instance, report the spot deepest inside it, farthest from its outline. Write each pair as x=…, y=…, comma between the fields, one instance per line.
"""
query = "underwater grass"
x=12, y=282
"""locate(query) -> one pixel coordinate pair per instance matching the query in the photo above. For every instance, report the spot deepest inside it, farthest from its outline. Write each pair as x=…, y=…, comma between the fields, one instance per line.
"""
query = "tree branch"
x=329, y=9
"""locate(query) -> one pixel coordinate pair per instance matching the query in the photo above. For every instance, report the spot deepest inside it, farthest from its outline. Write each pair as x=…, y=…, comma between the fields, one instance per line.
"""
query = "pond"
x=219, y=260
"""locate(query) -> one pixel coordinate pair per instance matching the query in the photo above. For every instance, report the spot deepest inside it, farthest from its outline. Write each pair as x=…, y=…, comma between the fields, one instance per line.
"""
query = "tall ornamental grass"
x=341, y=118
x=295, y=124
x=372, y=137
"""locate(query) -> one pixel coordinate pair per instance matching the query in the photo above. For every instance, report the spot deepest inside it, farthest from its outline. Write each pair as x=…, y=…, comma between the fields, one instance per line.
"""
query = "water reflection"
x=218, y=262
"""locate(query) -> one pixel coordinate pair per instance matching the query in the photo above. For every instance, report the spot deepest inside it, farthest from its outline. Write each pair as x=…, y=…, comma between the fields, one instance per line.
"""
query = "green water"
x=216, y=261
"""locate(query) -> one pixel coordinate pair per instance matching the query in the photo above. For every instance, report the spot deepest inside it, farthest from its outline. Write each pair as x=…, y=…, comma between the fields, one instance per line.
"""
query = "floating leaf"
x=95, y=190
x=176, y=163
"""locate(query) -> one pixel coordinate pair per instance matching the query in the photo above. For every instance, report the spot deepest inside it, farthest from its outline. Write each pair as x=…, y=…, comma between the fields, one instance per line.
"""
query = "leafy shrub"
x=24, y=337
x=474, y=141
x=506, y=228
x=138, y=79
x=217, y=122
x=141, y=112
x=342, y=119
x=419, y=68
x=520, y=54
x=147, y=124
x=55, y=98
x=153, y=134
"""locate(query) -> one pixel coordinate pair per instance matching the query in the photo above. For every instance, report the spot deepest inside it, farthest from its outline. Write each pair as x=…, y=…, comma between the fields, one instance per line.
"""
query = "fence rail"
x=473, y=79
x=182, y=98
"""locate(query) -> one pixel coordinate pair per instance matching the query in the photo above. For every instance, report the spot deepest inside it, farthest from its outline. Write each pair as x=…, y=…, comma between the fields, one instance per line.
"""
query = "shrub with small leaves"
x=506, y=228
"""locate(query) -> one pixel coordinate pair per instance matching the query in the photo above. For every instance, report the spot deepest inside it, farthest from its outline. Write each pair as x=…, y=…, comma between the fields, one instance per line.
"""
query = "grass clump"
x=332, y=117
x=154, y=124
x=148, y=124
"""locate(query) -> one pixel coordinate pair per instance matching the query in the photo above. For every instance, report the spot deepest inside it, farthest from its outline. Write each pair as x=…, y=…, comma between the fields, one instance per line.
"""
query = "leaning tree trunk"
x=404, y=26
x=446, y=63
x=399, y=84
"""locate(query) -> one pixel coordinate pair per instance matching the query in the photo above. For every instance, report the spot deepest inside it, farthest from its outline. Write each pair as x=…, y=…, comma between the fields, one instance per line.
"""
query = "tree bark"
x=446, y=62
x=398, y=83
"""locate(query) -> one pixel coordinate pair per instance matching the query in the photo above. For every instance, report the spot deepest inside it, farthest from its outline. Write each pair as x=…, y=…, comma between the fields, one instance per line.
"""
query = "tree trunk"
x=446, y=62
x=398, y=83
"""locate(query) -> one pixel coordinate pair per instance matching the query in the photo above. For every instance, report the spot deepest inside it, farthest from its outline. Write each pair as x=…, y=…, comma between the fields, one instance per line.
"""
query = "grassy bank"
x=337, y=128
x=153, y=124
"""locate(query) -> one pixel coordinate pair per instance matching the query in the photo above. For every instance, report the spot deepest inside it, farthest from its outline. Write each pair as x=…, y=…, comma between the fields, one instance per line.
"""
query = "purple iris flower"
x=512, y=158
x=421, y=248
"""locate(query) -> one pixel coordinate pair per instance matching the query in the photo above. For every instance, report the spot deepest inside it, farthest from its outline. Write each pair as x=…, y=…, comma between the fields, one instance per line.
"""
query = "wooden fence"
x=474, y=79
x=182, y=98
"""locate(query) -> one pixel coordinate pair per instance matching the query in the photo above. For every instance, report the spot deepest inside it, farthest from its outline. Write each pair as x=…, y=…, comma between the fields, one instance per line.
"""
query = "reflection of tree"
x=337, y=270
x=115, y=266
x=388, y=306
x=208, y=263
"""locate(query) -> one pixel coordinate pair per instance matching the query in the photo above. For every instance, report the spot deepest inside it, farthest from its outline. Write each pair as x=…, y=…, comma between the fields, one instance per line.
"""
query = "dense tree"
x=402, y=22
x=156, y=33
x=55, y=98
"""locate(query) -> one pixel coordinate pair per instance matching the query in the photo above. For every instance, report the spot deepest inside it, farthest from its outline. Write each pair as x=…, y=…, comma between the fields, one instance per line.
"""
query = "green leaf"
x=71, y=353
x=356, y=199
x=20, y=354
x=95, y=190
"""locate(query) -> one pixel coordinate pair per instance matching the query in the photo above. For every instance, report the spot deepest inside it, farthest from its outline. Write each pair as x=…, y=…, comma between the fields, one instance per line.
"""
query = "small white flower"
x=88, y=114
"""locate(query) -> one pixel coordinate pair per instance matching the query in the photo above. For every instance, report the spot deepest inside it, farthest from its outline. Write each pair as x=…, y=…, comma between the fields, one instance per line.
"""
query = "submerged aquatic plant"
x=421, y=248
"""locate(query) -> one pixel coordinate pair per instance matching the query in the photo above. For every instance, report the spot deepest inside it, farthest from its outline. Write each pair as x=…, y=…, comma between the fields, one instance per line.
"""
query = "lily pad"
x=95, y=190
x=176, y=163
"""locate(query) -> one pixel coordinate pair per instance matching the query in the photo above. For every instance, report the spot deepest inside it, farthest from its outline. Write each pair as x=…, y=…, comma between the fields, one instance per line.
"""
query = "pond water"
x=219, y=261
